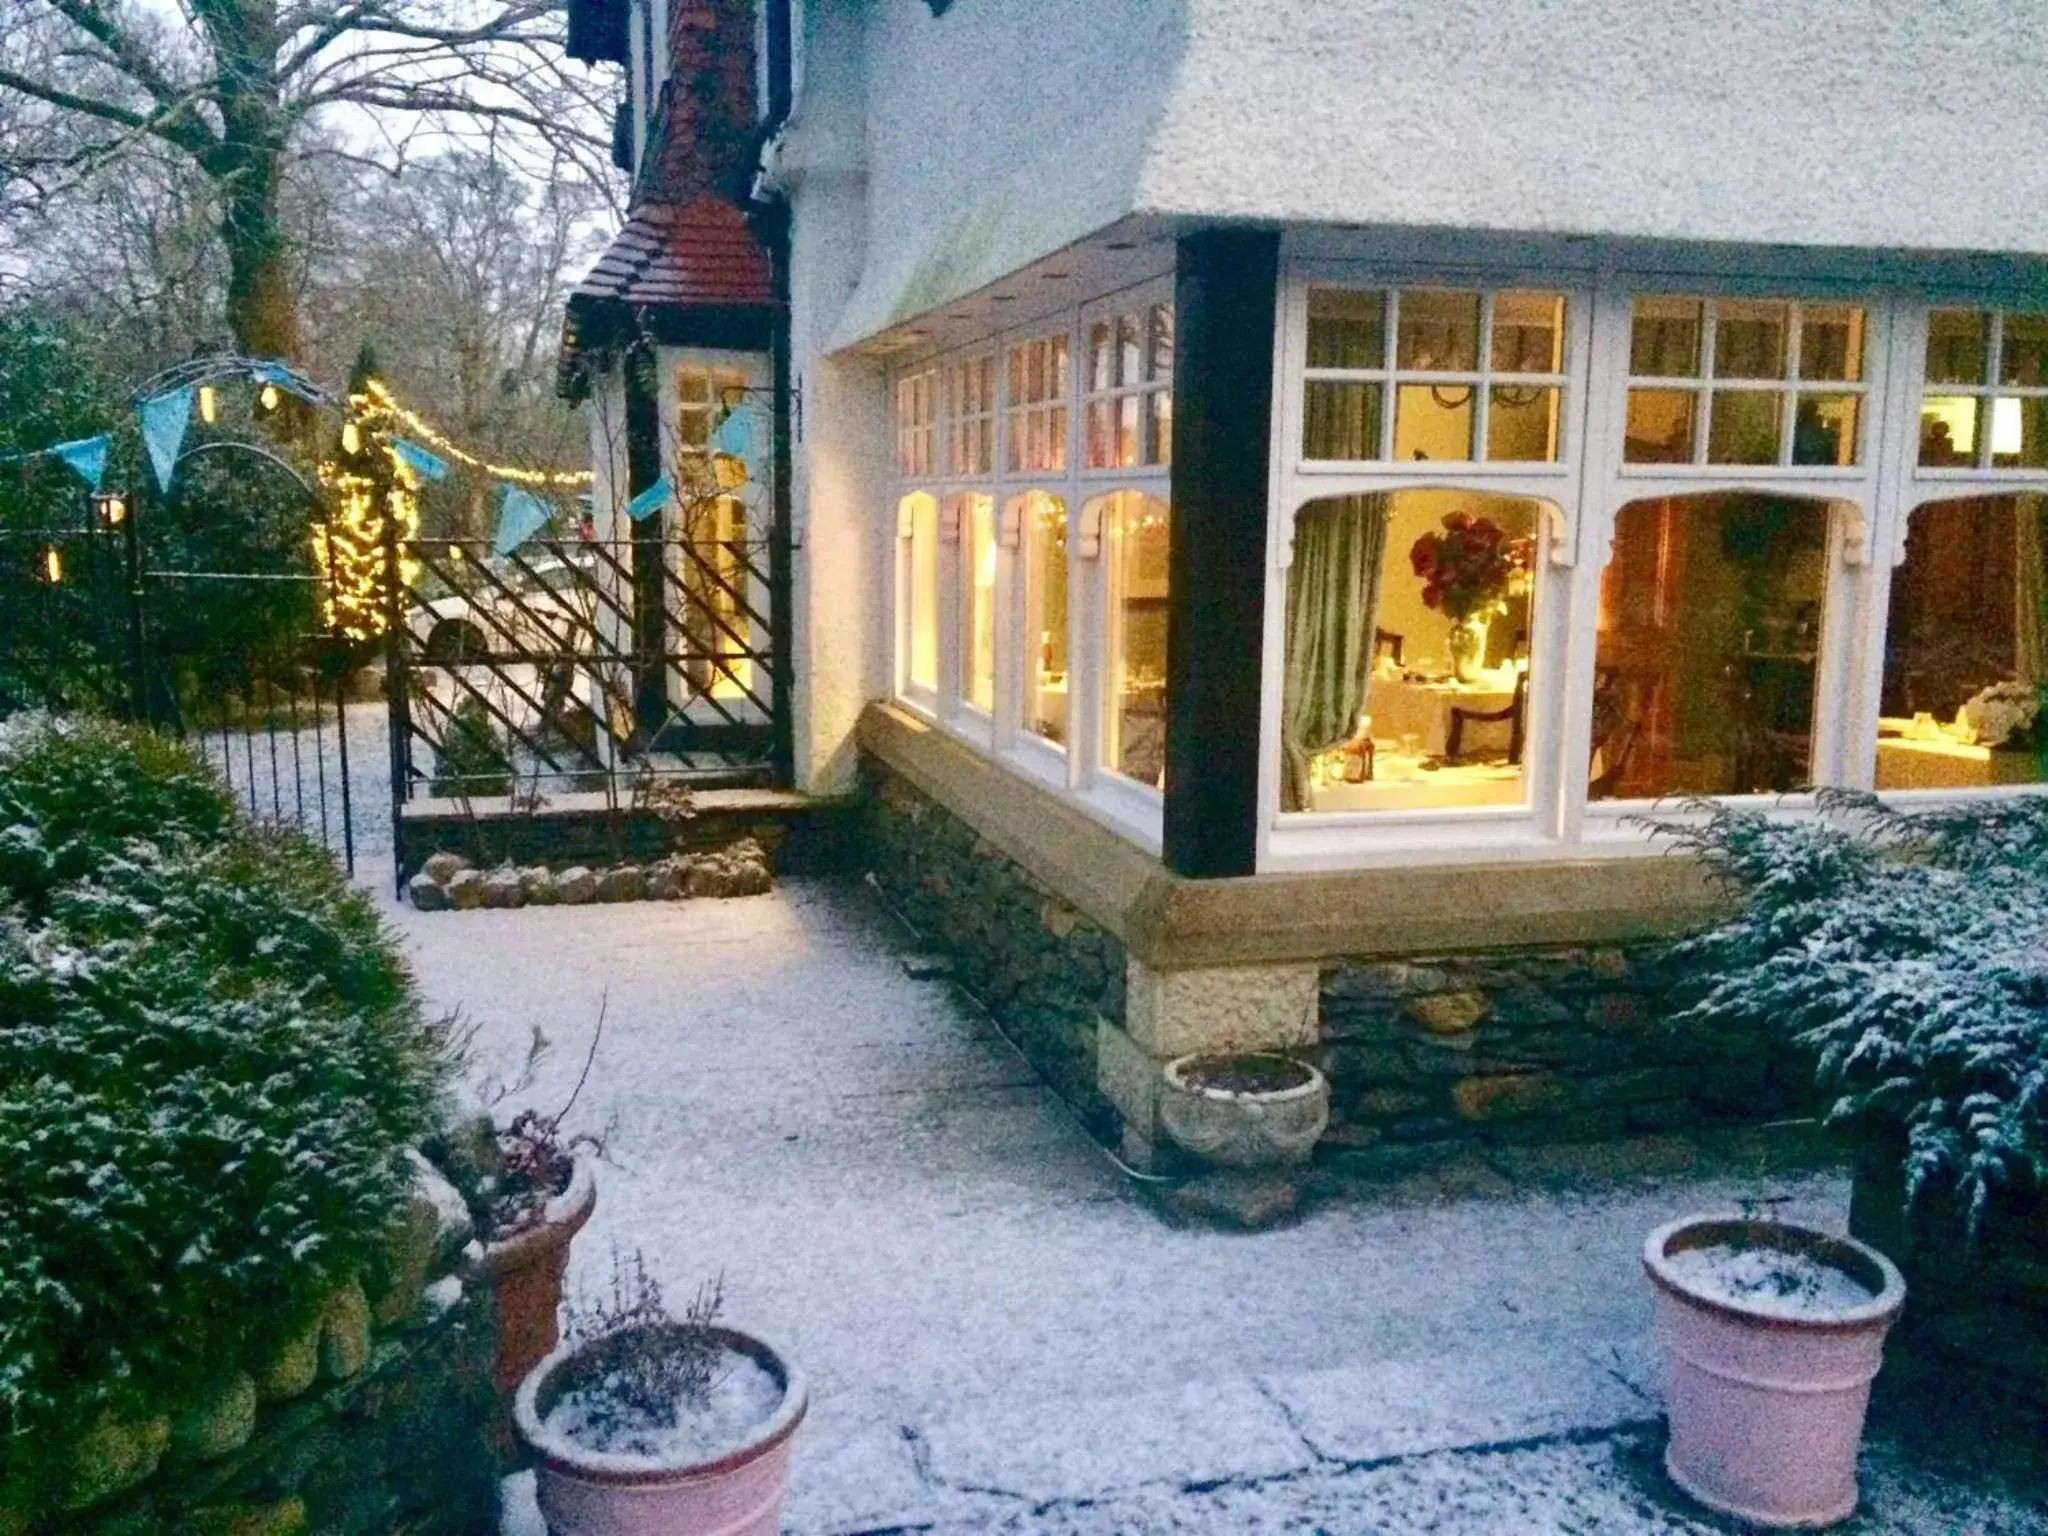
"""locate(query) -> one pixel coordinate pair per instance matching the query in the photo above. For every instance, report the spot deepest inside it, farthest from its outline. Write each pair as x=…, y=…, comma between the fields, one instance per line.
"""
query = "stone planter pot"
x=524, y=1273
x=590, y=1493
x=1245, y=1111
x=1766, y=1400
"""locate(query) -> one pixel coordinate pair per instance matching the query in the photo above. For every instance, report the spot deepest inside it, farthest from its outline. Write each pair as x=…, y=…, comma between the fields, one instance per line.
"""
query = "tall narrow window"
x=1709, y=641
x=1128, y=409
x=977, y=513
x=1042, y=531
x=1966, y=648
x=1035, y=423
x=1134, y=552
x=709, y=551
x=918, y=528
x=1985, y=401
x=1407, y=652
x=1745, y=381
x=1437, y=374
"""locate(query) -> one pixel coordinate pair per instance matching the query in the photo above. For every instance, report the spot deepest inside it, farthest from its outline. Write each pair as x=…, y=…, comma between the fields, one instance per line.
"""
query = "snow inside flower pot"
x=605, y=1470
x=1255, y=1110
x=1771, y=1334
x=524, y=1269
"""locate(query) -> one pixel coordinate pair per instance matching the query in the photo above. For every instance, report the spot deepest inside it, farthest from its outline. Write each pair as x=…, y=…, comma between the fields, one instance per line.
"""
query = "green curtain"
x=1333, y=599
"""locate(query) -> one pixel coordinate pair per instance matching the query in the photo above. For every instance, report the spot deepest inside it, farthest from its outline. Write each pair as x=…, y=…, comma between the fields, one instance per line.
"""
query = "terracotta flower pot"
x=591, y=1493
x=1766, y=1397
x=1255, y=1110
x=525, y=1274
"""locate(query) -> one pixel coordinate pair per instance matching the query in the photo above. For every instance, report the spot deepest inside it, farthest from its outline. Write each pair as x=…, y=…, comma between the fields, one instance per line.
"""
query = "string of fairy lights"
x=374, y=478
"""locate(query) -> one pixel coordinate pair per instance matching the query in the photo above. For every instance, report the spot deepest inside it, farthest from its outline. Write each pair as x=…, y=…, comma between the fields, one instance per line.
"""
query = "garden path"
x=1001, y=1336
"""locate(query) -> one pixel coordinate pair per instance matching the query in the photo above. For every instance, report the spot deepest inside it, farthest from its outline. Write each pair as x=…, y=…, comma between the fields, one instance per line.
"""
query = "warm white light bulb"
x=209, y=404
x=351, y=437
x=53, y=564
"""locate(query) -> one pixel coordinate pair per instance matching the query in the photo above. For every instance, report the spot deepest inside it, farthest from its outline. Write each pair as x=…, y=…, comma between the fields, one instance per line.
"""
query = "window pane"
x=1949, y=427
x=1134, y=642
x=2018, y=438
x=693, y=385
x=1127, y=431
x=1160, y=446
x=1749, y=339
x=1660, y=426
x=1129, y=350
x=1101, y=355
x=1709, y=627
x=1831, y=342
x=1159, y=363
x=979, y=545
x=1341, y=421
x=1824, y=429
x=1056, y=438
x=1438, y=330
x=1528, y=333
x=1664, y=339
x=1044, y=528
x=1965, y=653
x=1098, y=424
x=1346, y=328
x=924, y=592
x=1433, y=421
x=1957, y=343
x=1408, y=617
x=1521, y=424
x=2025, y=357
x=1743, y=427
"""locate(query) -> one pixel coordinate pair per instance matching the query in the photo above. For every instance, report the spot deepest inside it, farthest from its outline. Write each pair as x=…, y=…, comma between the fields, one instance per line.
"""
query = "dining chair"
x=1516, y=713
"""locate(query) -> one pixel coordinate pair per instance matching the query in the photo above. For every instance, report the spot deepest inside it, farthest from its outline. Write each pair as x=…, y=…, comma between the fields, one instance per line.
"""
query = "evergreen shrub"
x=211, y=1055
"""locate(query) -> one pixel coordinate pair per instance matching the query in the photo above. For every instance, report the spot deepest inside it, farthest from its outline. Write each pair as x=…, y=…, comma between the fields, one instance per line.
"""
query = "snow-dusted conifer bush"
x=1909, y=953
x=210, y=1057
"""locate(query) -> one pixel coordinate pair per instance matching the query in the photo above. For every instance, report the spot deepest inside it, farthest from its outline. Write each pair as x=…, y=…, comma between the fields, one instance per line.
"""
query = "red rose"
x=1432, y=595
x=1422, y=554
x=1457, y=522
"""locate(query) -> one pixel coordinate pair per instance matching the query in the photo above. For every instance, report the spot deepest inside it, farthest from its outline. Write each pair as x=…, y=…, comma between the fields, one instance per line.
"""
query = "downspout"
x=768, y=213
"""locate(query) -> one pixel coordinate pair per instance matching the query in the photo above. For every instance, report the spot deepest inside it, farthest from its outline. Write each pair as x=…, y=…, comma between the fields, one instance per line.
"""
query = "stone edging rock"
x=449, y=882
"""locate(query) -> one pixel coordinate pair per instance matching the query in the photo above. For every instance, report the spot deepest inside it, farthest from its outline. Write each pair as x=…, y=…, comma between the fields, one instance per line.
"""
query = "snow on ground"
x=1000, y=1336
x=287, y=775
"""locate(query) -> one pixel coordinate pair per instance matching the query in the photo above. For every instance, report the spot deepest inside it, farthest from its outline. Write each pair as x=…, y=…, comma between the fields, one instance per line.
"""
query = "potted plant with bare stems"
x=530, y=1189
x=644, y=1422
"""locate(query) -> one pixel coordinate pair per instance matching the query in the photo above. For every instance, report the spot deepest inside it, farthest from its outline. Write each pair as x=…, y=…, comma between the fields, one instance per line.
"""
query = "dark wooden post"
x=1225, y=295
x=649, y=536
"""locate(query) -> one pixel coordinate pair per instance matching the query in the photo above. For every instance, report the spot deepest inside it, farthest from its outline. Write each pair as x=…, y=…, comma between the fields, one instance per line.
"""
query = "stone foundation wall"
x=1046, y=972
x=1562, y=1045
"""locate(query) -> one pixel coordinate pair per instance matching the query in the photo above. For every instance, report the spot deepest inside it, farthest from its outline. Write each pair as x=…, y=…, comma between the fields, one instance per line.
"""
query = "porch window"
x=1042, y=533
x=1984, y=399
x=710, y=549
x=970, y=406
x=1710, y=626
x=915, y=399
x=1966, y=647
x=1035, y=421
x=1406, y=683
x=917, y=527
x=1128, y=404
x=976, y=512
x=1745, y=381
x=1134, y=551
x=1435, y=374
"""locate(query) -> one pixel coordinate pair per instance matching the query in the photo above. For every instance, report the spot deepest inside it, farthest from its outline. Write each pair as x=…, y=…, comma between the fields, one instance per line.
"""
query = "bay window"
x=976, y=515
x=1042, y=530
x=1133, y=554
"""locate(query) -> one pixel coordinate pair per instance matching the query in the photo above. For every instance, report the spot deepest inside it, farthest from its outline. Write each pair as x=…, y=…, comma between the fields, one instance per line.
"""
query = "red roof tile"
x=699, y=252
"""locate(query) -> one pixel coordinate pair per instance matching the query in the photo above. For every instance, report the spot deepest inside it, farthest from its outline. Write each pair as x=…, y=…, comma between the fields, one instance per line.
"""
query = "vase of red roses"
x=1468, y=570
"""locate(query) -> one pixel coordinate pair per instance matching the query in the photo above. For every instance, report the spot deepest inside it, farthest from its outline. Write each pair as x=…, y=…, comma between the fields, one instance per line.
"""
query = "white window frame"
x=1589, y=484
x=1132, y=810
x=1133, y=303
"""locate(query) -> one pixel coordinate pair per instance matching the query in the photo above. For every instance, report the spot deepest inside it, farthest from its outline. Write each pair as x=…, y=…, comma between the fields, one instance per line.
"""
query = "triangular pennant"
x=163, y=419
x=87, y=455
x=649, y=501
x=427, y=465
x=744, y=433
x=521, y=515
x=284, y=379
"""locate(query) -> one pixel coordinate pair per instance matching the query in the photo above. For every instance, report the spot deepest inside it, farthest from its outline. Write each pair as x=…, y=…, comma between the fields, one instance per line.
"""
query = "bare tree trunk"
x=262, y=307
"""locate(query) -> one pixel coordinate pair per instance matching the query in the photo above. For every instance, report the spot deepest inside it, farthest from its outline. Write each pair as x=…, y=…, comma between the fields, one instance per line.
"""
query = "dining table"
x=1414, y=712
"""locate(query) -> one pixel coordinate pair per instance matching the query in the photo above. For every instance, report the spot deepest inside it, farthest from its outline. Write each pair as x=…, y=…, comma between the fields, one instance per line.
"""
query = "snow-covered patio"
x=1001, y=1335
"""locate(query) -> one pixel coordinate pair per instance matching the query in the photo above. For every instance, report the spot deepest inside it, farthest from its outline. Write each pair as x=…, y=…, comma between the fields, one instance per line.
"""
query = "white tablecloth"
x=1398, y=708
